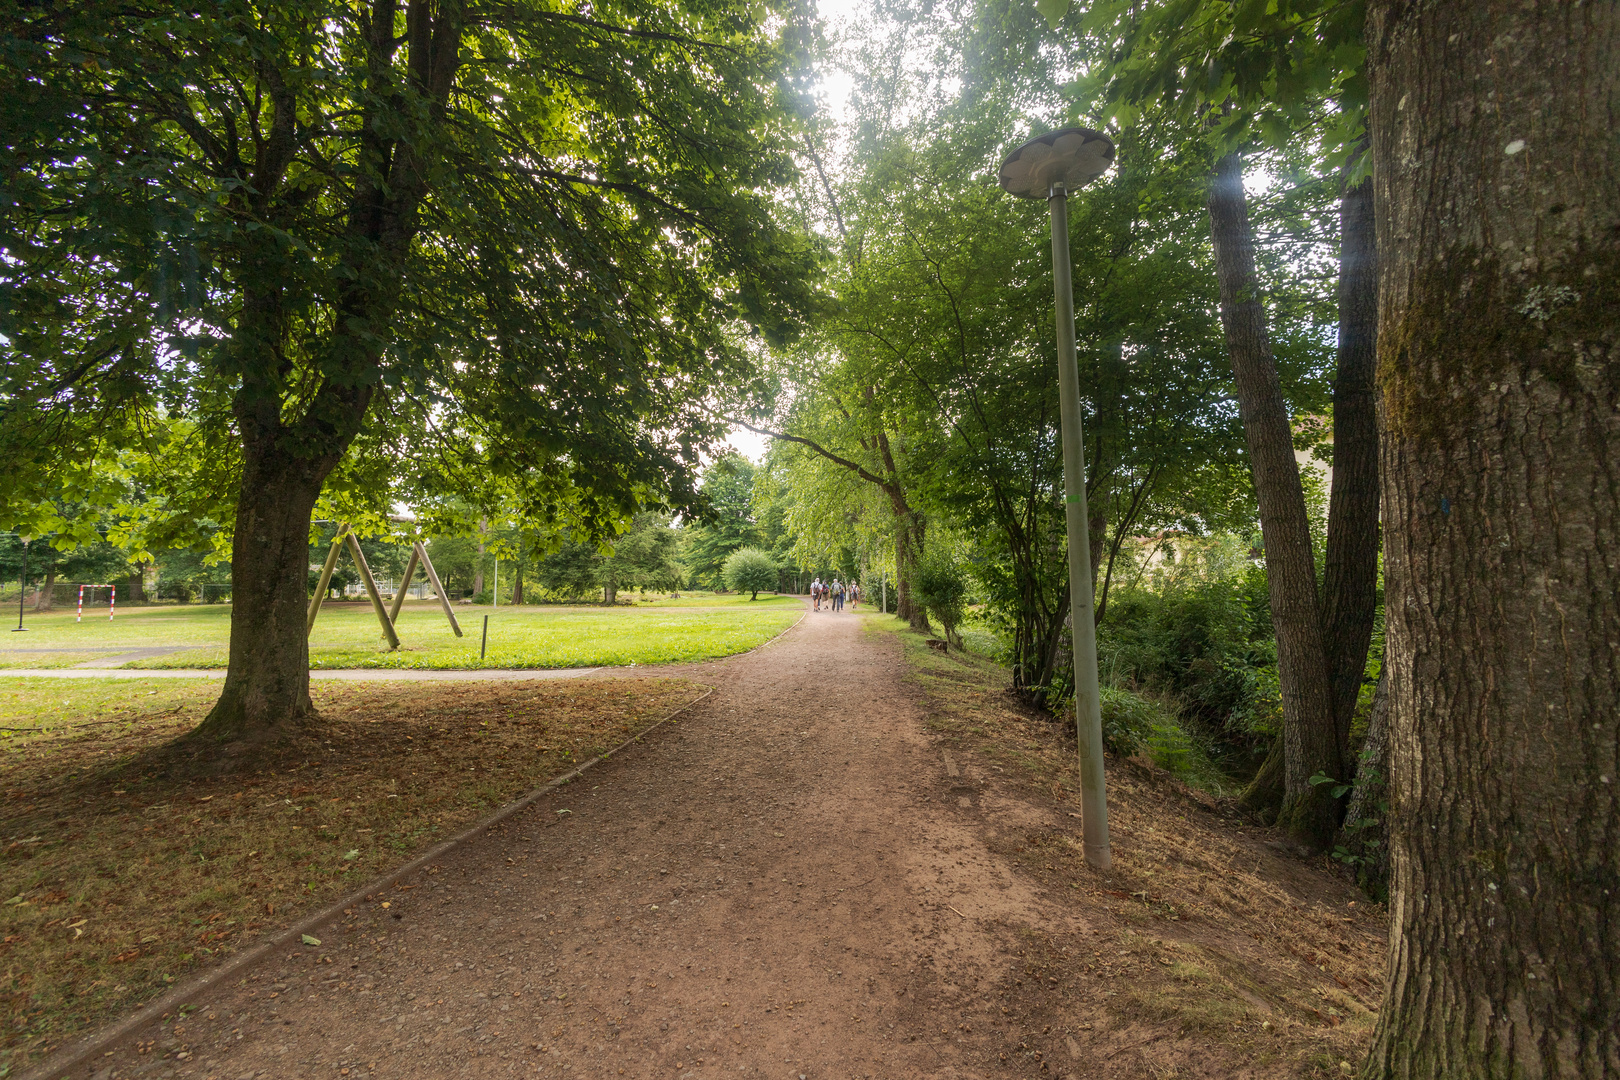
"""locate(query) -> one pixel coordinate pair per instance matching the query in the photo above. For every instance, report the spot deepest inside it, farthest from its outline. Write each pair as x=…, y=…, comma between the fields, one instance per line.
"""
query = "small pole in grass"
x=484, y=643
x=23, y=594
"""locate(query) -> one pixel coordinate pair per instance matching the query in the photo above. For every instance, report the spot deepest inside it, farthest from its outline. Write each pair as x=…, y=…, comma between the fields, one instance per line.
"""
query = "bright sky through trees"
x=835, y=89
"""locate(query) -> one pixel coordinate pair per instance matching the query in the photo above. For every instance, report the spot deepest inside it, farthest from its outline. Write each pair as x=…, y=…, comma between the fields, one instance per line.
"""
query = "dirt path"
x=787, y=883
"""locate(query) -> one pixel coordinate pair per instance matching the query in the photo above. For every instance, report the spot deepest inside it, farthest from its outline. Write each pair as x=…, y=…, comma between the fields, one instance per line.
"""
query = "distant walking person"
x=838, y=595
x=854, y=594
x=815, y=594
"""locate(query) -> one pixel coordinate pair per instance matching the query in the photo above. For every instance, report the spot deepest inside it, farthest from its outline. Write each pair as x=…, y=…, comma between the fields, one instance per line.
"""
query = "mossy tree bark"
x=1498, y=208
x=1310, y=745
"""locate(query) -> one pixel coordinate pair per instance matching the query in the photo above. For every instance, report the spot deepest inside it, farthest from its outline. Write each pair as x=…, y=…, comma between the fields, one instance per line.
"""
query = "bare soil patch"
x=1212, y=950
x=124, y=864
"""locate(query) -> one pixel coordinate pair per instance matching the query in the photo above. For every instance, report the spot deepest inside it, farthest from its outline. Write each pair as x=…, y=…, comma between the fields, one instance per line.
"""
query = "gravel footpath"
x=789, y=882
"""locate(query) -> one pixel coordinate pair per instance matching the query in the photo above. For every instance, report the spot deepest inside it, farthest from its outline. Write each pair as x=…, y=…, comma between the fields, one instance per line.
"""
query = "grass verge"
x=123, y=866
x=1207, y=949
x=346, y=635
x=539, y=638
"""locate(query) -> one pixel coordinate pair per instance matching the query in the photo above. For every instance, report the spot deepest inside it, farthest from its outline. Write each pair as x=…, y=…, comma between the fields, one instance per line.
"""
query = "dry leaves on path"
x=123, y=865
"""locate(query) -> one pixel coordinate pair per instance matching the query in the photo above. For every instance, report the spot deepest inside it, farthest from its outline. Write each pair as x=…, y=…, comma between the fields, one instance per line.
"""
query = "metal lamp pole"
x=1050, y=167
x=22, y=594
x=1082, y=605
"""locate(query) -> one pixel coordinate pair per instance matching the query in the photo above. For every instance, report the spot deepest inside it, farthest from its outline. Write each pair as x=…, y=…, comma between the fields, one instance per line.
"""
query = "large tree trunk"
x=1498, y=205
x=291, y=439
x=1350, y=581
x=266, y=688
x=1309, y=744
x=45, y=596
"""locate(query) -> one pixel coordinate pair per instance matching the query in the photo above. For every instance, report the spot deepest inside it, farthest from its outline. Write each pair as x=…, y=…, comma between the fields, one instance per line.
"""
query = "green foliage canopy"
x=750, y=570
x=530, y=233
x=727, y=522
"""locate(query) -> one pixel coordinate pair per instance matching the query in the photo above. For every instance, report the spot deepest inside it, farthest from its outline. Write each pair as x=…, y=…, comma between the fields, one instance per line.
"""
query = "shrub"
x=1207, y=642
x=750, y=570
x=1140, y=724
x=943, y=589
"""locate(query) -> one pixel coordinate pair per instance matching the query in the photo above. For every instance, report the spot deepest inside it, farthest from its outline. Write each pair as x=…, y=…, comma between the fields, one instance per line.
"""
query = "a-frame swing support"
x=385, y=617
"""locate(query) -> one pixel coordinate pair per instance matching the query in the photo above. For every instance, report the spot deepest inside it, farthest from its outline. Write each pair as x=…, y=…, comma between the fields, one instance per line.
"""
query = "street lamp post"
x=22, y=595
x=1049, y=168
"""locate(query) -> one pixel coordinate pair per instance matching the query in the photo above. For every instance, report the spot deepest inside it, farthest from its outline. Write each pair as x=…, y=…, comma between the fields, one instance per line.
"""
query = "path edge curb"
x=66, y=1058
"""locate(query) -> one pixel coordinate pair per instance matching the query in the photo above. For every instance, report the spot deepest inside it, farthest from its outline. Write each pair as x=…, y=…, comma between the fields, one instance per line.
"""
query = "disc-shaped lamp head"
x=1073, y=157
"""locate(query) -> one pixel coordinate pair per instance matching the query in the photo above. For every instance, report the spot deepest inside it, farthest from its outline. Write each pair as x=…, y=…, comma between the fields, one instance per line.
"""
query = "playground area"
x=348, y=635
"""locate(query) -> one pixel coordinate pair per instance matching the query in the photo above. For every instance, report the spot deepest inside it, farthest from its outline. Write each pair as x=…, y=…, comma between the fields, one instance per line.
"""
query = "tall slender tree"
x=1310, y=745
x=1273, y=71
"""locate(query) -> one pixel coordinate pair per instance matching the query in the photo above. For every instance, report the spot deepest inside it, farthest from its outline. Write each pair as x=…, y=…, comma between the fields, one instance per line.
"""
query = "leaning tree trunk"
x=1498, y=205
x=1309, y=744
x=1266, y=791
x=1350, y=579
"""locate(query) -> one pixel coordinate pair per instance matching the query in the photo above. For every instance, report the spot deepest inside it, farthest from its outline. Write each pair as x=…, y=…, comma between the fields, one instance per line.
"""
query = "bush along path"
x=840, y=864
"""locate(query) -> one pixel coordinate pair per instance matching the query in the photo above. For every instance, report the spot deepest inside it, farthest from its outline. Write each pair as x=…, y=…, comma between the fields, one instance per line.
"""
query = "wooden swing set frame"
x=385, y=616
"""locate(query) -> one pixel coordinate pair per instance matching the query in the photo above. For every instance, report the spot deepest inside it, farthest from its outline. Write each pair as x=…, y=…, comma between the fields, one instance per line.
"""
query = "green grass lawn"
x=347, y=635
x=707, y=599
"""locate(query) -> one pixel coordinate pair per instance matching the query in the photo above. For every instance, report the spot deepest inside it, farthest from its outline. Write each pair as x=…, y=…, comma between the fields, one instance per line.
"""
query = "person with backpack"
x=815, y=594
